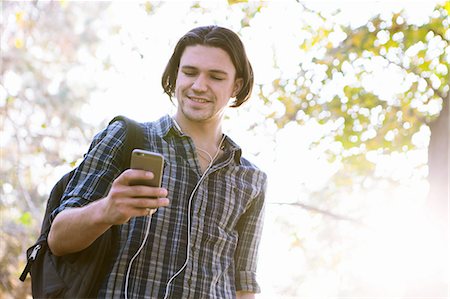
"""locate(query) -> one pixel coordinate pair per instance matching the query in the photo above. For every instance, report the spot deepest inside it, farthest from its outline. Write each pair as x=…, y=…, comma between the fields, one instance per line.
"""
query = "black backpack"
x=76, y=275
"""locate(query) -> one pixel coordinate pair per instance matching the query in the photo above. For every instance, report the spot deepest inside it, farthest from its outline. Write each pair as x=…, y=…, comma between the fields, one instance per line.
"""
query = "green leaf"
x=26, y=218
x=231, y=2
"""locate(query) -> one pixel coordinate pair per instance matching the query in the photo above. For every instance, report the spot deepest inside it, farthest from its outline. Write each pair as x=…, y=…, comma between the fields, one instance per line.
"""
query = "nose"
x=200, y=84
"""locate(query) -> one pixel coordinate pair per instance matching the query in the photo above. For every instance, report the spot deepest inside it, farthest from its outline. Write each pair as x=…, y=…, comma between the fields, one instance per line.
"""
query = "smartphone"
x=149, y=161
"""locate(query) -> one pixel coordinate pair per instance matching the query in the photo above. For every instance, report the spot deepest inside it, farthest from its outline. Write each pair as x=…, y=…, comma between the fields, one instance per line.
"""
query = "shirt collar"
x=166, y=125
x=232, y=146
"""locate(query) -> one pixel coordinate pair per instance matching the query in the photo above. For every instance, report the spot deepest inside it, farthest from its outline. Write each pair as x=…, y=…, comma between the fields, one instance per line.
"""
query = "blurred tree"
x=378, y=88
x=46, y=48
x=336, y=85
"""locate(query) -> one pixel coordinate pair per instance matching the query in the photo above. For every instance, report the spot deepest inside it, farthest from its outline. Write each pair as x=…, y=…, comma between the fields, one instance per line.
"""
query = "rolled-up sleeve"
x=250, y=228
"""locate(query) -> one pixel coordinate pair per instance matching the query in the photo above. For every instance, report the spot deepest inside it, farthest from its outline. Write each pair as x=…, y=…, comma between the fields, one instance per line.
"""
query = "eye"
x=189, y=73
x=217, y=75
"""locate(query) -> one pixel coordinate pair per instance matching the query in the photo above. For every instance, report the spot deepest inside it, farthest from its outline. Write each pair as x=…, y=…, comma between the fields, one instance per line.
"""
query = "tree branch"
x=323, y=212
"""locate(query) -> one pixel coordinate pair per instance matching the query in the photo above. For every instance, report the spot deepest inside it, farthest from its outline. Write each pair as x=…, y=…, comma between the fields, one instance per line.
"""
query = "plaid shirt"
x=226, y=217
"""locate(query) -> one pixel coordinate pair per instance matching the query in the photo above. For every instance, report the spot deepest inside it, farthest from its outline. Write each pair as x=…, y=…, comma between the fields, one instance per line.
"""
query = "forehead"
x=207, y=58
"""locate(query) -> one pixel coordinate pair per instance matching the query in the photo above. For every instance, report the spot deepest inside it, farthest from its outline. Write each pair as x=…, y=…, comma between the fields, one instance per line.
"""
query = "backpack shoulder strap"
x=134, y=137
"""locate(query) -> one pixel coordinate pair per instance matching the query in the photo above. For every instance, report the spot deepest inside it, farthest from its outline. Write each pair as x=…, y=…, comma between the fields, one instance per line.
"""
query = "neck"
x=205, y=135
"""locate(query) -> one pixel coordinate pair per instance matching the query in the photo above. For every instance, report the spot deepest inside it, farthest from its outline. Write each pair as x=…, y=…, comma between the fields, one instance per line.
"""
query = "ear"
x=237, y=87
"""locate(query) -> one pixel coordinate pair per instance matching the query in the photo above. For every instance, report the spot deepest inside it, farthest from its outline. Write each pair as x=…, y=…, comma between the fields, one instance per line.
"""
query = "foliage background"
x=341, y=118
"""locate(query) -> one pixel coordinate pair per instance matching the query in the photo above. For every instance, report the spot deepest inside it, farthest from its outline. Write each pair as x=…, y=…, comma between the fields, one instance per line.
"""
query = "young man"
x=202, y=243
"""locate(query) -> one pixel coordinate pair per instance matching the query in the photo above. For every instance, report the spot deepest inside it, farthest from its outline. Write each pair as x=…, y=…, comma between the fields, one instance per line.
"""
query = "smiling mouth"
x=198, y=100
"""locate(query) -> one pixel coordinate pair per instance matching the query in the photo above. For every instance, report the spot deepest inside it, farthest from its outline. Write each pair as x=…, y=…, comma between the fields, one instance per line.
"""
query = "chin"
x=196, y=116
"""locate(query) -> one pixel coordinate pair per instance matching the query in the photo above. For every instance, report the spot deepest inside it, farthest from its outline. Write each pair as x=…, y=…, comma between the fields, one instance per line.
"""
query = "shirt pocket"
x=230, y=205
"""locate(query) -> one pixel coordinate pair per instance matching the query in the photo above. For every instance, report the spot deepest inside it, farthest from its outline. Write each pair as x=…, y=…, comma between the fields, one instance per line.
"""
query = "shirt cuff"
x=246, y=281
x=71, y=203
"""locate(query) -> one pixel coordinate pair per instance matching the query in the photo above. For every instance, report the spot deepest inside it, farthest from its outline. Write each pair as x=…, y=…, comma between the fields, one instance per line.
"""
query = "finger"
x=146, y=191
x=134, y=175
x=150, y=203
x=150, y=207
x=134, y=207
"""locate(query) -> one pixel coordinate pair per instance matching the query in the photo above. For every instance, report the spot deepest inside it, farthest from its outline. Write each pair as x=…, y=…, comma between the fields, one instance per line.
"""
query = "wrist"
x=99, y=216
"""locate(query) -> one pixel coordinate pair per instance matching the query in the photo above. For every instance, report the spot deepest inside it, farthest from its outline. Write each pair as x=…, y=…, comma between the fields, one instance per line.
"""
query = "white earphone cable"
x=147, y=231
x=188, y=246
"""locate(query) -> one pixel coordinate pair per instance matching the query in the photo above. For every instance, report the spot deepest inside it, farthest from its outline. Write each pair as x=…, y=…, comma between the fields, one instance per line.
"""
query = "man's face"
x=206, y=81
